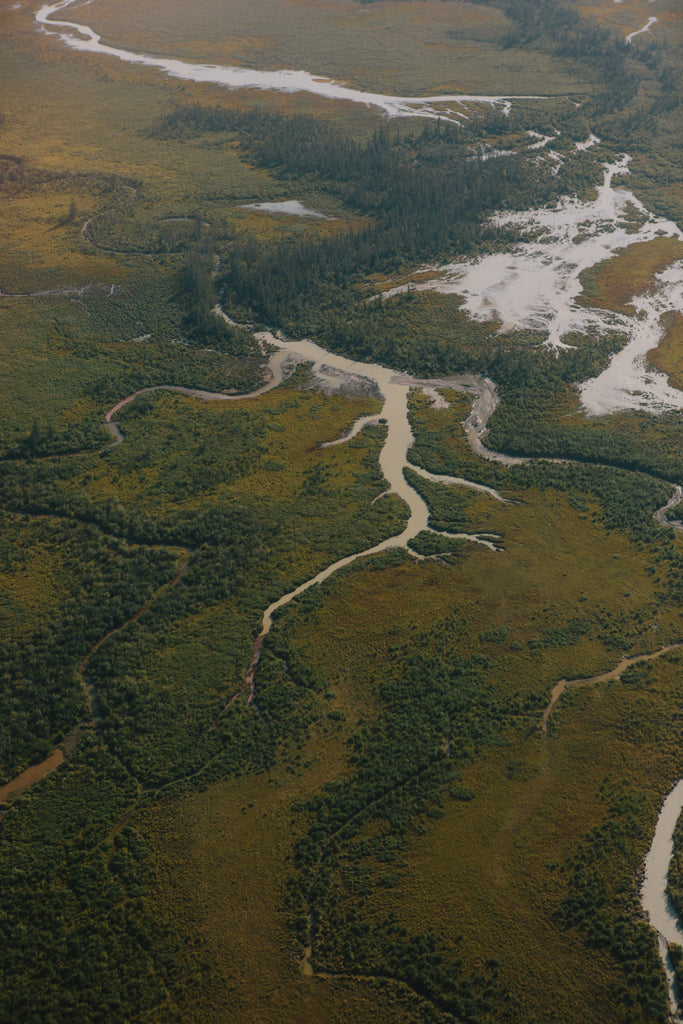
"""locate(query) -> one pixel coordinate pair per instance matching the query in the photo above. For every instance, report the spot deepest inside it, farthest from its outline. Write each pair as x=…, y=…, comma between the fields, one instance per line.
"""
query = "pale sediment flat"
x=536, y=286
x=290, y=207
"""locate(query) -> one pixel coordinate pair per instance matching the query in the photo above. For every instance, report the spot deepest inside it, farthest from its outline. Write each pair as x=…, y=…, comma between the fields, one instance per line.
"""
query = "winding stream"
x=661, y=513
x=17, y=786
x=646, y=28
x=660, y=910
x=393, y=460
x=603, y=677
x=81, y=37
x=275, y=364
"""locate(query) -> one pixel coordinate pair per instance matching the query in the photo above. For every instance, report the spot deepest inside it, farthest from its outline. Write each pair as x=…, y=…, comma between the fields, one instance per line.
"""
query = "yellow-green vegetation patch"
x=668, y=356
x=273, y=224
x=32, y=574
x=63, y=146
x=49, y=373
x=223, y=859
x=407, y=48
x=43, y=247
x=542, y=605
x=611, y=284
x=67, y=360
x=262, y=454
x=498, y=868
x=517, y=622
x=280, y=432
x=307, y=841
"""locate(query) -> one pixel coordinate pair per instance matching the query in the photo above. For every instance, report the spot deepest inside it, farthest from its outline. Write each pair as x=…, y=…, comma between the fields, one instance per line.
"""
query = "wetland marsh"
x=340, y=577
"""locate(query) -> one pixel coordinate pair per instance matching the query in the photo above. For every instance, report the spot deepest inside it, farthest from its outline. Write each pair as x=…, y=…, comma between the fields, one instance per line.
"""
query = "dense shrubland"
x=85, y=943
x=104, y=581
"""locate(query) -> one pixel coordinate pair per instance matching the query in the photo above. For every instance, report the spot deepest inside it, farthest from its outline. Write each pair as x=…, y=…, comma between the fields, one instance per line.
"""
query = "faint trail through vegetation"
x=12, y=790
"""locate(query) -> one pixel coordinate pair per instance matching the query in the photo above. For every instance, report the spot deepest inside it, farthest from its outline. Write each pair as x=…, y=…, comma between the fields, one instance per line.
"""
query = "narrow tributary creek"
x=394, y=459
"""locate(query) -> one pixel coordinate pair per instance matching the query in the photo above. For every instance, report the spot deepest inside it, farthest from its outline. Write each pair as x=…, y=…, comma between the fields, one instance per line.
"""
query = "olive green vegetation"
x=614, y=282
x=667, y=356
x=384, y=832
x=676, y=957
x=420, y=731
x=65, y=585
x=397, y=48
x=257, y=525
x=629, y=497
x=60, y=381
x=579, y=906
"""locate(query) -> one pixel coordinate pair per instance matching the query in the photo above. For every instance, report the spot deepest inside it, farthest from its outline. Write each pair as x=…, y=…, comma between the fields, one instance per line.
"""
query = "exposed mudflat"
x=289, y=207
x=536, y=287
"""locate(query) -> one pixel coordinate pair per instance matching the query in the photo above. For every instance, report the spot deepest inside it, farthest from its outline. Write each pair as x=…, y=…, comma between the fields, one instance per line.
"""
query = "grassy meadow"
x=610, y=285
x=667, y=356
x=385, y=832
x=411, y=49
